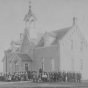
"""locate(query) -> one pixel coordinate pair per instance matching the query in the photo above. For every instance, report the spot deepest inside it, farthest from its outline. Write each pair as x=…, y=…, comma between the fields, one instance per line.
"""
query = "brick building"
x=62, y=49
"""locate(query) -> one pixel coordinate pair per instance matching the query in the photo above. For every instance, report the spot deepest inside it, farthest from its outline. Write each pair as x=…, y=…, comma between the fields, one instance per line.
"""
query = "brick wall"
x=47, y=53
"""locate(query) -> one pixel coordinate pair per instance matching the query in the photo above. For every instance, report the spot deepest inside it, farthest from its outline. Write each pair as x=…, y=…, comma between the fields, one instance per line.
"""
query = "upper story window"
x=72, y=64
x=81, y=45
x=10, y=64
x=16, y=63
x=71, y=44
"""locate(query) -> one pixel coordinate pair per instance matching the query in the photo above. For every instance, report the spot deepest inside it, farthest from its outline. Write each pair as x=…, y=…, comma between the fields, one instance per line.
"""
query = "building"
x=64, y=49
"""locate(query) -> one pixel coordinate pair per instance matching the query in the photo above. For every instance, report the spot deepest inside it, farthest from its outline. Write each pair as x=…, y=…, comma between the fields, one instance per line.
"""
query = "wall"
x=47, y=53
x=8, y=57
x=67, y=53
x=16, y=58
x=29, y=65
x=4, y=64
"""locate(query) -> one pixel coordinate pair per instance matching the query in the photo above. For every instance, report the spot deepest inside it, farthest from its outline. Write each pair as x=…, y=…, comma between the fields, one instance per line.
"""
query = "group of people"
x=41, y=76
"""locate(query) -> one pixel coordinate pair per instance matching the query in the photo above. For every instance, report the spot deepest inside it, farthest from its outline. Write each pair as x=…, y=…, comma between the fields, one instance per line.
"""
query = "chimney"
x=21, y=35
x=74, y=20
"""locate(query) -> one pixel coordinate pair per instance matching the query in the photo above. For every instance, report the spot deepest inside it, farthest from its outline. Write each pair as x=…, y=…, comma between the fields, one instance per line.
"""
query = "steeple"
x=30, y=12
x=29, y=18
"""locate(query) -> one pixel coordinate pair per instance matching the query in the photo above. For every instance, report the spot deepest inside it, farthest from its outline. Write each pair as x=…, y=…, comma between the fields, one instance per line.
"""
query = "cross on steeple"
x=30, y=12
x=30, y=4
x=29, y=18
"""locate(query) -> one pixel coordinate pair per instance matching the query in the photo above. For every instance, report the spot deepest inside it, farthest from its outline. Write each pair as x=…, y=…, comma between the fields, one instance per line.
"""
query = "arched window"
x=43, y=64
x=16, y=66
x=81, y=66
x=72, y=64
x=10, y=64
x=81, y=45
x=52, y=64
x=71, y=44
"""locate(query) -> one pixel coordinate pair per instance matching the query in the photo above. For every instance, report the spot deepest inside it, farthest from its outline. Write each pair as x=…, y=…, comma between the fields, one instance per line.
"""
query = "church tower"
x=29, y=18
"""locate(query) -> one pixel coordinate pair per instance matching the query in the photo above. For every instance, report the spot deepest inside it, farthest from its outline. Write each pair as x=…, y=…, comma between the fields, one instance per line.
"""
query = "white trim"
x=15, y=56
x=12, y=57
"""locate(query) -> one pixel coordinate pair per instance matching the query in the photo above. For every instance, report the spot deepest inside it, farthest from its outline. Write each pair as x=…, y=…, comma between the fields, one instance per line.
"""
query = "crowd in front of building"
x=42, y=76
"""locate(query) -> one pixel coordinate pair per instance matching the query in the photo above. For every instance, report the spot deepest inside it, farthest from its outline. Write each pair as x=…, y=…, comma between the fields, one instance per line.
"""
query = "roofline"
x=3, y=58
x=27, y=60
x=46, y=46
x=71, y=30
x=82, y=34
x=14, y=56
x=67, y=32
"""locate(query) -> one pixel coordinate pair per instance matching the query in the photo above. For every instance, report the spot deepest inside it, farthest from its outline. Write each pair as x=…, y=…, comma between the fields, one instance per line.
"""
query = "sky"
x=50, y=14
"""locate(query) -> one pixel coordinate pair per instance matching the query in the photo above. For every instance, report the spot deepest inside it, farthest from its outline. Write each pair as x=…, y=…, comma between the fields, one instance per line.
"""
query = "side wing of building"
x=74, y=52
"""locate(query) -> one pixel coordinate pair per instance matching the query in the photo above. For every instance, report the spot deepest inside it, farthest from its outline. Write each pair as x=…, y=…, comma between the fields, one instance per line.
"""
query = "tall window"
x=10, y=64
x=81, y=45
x=72, y=64
x=71, y=44
x=52, y=64
x=43, y=64
x=81, y=66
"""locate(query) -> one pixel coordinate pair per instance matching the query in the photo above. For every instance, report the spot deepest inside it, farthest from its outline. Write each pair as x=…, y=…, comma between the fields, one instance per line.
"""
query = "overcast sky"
x=50, y=14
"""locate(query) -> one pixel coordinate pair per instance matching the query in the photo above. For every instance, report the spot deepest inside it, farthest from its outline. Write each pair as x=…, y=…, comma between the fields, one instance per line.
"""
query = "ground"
x=27, y=84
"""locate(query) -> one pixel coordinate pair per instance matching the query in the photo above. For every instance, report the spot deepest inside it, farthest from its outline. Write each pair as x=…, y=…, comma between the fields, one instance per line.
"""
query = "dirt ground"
x=28, y=84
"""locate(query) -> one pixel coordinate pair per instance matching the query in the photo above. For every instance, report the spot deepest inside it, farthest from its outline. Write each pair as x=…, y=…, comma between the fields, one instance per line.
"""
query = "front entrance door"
x=26, y=67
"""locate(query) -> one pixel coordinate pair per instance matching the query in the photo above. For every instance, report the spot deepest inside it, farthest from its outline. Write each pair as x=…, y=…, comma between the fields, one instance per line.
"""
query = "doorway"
x=26, y=67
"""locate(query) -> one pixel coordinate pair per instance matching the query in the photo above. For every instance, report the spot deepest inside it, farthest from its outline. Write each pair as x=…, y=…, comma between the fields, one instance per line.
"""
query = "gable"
x=21, y=56
x=15, y=58
x=24, y=57
x=73, y=37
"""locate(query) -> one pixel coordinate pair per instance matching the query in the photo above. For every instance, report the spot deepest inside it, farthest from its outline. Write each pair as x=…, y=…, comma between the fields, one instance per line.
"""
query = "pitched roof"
x=24, y=57
x=61, y=32
x=41, y=42
x=16, y=42
x=8, y=51
x=58, y=34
